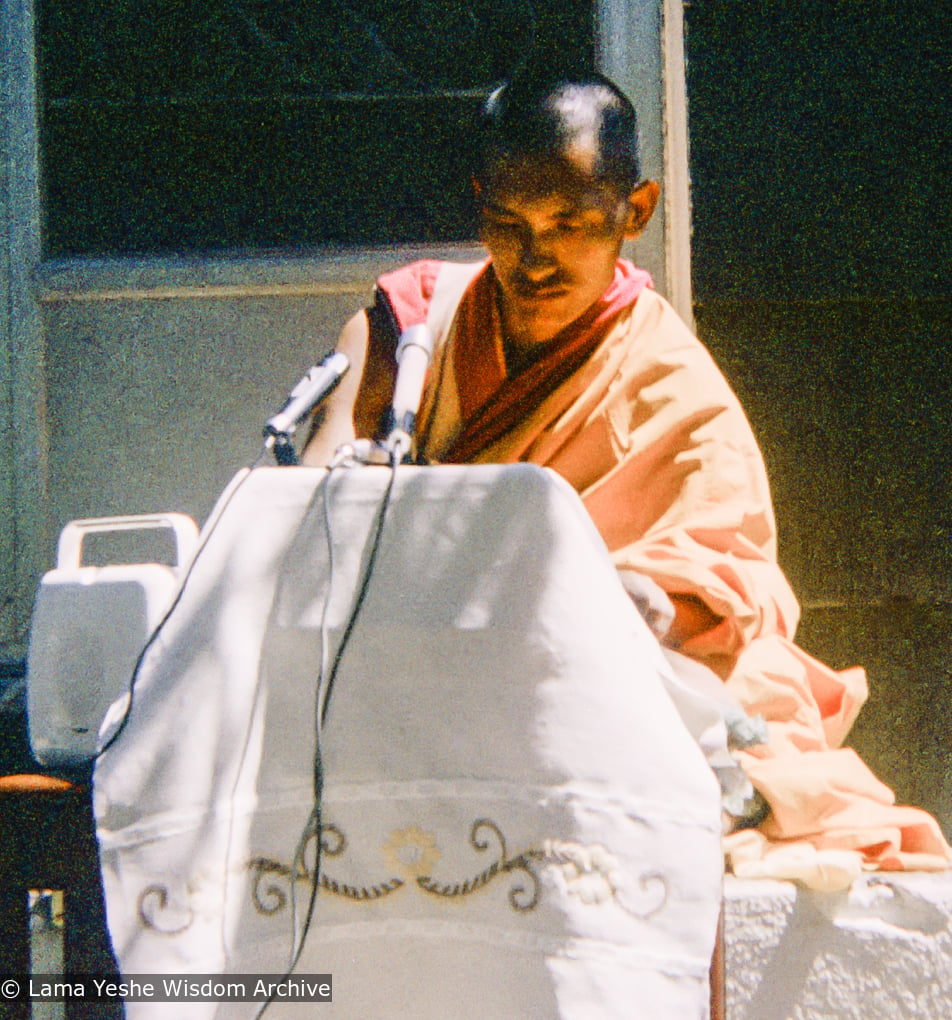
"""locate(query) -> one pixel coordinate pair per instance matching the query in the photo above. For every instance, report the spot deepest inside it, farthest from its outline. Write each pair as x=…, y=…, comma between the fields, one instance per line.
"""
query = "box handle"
x=69, y=547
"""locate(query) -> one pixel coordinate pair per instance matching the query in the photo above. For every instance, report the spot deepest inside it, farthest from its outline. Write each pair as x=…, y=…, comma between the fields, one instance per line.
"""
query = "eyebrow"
x=564, y=211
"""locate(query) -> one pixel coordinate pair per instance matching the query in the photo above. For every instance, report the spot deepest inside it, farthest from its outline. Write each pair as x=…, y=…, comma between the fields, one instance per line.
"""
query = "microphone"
x=316, y=385
x=414, y=351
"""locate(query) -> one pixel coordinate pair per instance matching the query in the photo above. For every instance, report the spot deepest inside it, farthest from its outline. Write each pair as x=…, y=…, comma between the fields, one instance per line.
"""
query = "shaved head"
x=550, y=118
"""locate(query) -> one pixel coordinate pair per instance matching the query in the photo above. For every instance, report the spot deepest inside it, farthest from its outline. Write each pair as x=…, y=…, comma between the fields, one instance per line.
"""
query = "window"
x=176, y=125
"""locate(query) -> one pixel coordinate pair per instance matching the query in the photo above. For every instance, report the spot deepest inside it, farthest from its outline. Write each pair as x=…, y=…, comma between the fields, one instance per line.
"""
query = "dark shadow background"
x=175, y=125
x=820, y=164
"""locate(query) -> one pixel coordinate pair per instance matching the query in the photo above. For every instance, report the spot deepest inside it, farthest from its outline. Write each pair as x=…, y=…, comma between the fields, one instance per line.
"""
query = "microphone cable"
x=326, y=677
x=209, y=530
x=325, y=687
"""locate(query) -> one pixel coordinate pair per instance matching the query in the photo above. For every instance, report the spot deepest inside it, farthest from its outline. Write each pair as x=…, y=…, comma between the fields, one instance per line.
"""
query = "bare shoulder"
x=333, y=423
x=355, y=409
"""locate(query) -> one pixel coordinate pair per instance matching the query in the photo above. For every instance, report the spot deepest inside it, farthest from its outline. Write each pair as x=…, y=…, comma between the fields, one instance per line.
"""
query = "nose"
x=536, y=256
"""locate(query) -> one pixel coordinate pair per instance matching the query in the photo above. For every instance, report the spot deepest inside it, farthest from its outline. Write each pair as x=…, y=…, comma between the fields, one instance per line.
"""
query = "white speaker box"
x=89, y=625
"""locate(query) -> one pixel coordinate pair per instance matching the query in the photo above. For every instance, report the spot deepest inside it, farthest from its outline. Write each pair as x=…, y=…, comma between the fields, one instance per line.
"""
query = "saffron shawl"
x=641, y=422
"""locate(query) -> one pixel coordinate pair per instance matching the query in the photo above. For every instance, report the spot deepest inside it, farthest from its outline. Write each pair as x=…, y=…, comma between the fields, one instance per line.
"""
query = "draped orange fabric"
x=644, y=426
x=494, y=402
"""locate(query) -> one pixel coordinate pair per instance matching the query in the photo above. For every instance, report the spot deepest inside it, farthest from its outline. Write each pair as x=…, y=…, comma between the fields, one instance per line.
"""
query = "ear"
x=641, y=205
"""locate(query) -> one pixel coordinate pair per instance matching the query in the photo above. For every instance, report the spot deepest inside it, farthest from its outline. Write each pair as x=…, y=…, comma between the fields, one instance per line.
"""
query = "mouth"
x=549, y=290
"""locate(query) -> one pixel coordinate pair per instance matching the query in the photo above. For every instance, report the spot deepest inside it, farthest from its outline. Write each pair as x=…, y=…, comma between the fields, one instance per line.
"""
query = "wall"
x=876, y=951
x=849, y=400
x=822, y=222
x=162, y=372
x=23, y=462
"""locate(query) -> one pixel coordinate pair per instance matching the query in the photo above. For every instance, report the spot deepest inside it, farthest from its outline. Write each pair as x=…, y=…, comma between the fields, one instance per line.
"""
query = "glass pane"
x=180, y=125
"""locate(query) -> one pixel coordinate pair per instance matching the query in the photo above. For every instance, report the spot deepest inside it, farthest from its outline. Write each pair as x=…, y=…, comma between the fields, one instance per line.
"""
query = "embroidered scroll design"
x=588, y=872
x=156, y=913
x=270, y=897
x=521, y=897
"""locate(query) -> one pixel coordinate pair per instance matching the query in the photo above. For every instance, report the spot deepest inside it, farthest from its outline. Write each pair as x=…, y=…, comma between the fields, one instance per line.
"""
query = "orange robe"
x=649, y=433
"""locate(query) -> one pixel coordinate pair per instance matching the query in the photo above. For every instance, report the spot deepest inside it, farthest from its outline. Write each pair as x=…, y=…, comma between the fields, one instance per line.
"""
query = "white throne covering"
x=515, y=821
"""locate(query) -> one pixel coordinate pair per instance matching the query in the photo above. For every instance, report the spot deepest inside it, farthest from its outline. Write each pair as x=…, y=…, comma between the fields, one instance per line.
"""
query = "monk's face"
x=554, y=232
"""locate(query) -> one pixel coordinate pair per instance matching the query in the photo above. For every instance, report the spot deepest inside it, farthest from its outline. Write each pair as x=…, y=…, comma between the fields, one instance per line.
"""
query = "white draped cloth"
x=515, y=821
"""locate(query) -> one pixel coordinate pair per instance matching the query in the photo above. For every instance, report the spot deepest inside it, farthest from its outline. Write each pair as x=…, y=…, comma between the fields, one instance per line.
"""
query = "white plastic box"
x=89, y=627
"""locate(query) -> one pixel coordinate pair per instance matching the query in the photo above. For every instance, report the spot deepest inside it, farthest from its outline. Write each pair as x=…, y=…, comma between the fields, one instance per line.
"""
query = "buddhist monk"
x=557, y=351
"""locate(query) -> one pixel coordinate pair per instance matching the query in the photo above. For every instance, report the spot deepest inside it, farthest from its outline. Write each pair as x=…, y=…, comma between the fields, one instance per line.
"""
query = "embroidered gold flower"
x=411, y=852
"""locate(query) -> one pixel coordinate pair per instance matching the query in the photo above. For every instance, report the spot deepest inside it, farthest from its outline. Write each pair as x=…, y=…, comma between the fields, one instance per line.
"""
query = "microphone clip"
x=413, y=354
x=314, y=387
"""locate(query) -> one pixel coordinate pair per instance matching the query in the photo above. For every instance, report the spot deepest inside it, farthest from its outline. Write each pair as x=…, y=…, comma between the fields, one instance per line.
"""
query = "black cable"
x=313, y=826
x=362, y=593
x=157, y=630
